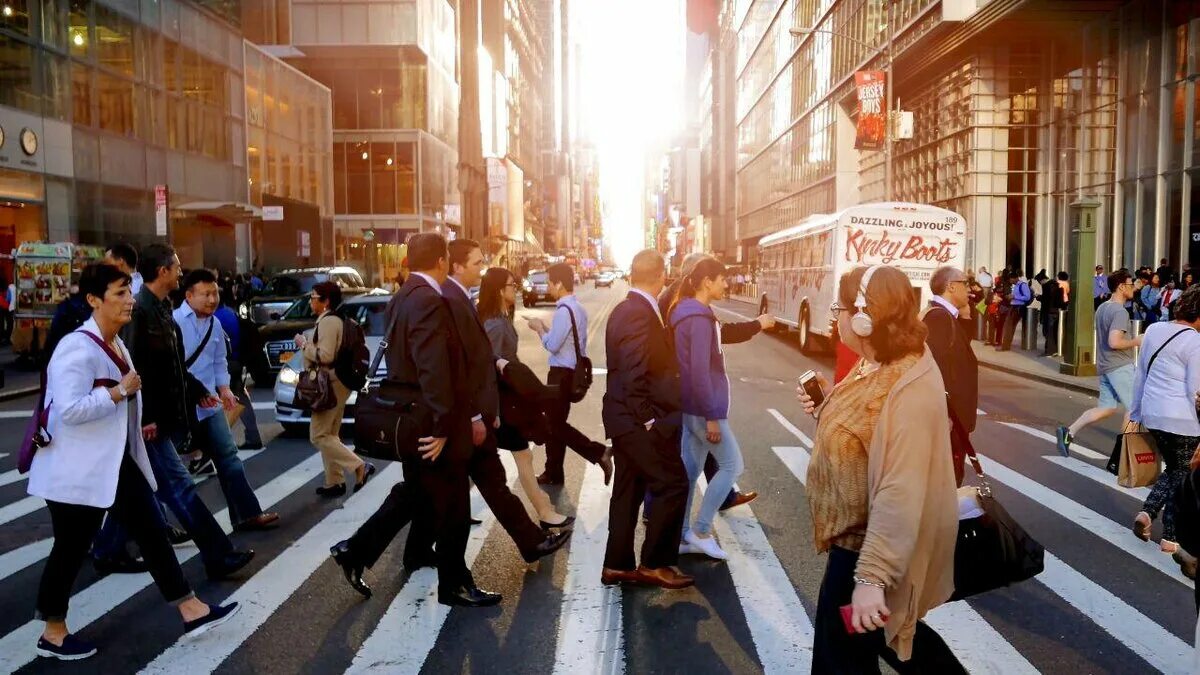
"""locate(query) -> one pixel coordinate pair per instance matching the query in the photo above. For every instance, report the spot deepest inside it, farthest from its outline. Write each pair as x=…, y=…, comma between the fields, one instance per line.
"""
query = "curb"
x=18, y=393
x=1044, y=379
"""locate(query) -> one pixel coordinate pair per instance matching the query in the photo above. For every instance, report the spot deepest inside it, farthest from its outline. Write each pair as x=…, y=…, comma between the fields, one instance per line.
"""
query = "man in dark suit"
x=483, y=406
x=425, y=369
x=949, y=340
x=641, y=416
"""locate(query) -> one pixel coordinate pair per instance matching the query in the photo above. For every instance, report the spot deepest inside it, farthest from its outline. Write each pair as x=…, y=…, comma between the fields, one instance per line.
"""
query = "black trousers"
x=75, y=526
x=836, y=651
x=438, y=489
x=1014, y=317
x=489, y=476
x=562, y=434
x=646, y=462
x=1050, y=331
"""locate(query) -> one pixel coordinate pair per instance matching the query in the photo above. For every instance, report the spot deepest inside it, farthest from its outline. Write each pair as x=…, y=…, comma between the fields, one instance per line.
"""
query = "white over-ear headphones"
x=861, y=322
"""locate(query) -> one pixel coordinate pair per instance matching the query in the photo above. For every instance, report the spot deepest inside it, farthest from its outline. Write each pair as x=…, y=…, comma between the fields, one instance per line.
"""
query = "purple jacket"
x=703, y=382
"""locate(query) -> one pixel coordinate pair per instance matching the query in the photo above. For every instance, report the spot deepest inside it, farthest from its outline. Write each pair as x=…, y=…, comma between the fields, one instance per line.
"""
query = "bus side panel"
x=917, y=254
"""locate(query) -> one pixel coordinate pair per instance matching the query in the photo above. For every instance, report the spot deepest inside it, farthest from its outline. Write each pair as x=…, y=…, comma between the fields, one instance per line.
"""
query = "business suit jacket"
x=643, y=375
x=949, y=341
x=90, y=433
x=477, y=352
x=424, y=356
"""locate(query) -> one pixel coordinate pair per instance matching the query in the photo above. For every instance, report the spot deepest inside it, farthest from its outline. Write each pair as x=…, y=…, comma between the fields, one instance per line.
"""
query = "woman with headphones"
x=881, y=487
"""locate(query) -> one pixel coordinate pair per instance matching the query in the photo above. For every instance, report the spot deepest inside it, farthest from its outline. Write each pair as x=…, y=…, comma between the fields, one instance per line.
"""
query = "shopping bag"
x=234, y=414
x=1139, y=457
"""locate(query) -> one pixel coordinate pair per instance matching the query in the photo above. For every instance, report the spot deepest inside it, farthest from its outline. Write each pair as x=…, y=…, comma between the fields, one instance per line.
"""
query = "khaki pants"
x=323, y=433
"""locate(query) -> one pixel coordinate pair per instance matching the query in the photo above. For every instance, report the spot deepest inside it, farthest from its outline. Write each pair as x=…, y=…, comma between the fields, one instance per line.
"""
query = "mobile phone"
x=808, y=381
x=848, y=618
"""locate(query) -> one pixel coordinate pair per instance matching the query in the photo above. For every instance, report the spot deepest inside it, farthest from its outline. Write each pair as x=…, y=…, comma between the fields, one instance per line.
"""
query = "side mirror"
x=275, y=316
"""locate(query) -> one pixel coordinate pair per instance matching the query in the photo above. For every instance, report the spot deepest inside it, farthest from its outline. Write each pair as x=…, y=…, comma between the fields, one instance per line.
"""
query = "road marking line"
x=267, y=590
x=779, y=625
x=977, y=644
x=24, y=414
x=19, y=558
x=808, y=442
x=1088, y=520
x=590, y=627
x=27, y=505
x=407, y=631
x=1038, y=433
x=1097, y=474
x=1158, y=646
x=97, y=600
x=980, y=411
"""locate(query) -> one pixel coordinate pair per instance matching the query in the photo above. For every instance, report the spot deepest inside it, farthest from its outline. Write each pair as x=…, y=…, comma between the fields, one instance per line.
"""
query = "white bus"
x=800, y=266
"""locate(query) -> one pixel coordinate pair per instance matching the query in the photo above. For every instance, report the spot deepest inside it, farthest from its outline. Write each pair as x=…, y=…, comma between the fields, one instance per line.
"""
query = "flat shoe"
x=367, y=473
x=1141, y=528
x=332, y=490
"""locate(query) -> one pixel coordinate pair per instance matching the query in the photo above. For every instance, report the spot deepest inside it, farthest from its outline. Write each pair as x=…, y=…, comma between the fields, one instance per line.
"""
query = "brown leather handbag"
x=314, y=391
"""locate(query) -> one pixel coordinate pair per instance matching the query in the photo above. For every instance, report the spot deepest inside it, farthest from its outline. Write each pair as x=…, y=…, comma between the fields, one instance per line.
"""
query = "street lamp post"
x=887, y=48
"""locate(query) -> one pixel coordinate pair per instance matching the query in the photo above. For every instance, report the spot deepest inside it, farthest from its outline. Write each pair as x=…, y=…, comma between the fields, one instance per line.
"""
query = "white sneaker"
x=708, y=547
x=687, y=549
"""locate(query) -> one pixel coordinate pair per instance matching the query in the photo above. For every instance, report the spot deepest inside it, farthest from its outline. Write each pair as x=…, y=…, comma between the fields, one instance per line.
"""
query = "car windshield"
x=370, y=315
x=538, y=278
x=300, y=310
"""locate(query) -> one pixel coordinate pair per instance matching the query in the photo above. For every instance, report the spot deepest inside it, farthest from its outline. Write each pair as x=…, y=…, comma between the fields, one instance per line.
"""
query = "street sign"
x=303, y=244
x=272, y=213
x=161, y=195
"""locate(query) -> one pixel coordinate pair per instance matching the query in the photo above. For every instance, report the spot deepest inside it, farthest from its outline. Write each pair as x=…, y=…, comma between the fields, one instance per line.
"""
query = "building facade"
x=1020, y=110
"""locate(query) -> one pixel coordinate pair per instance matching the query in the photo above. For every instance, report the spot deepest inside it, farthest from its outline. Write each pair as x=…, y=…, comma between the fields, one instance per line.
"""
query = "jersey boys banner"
x=872, y=109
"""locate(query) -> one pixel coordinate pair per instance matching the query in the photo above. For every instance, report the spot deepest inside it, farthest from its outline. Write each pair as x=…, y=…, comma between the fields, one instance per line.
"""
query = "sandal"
x=1141, y=526
x=1168, y=546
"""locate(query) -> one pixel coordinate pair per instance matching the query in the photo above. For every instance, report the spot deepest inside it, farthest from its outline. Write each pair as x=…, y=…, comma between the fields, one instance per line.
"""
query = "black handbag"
x=581, y=377
x=993, y=550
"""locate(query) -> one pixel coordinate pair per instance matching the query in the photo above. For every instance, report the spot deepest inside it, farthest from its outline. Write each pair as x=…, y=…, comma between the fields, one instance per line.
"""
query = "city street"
x=1106, y=602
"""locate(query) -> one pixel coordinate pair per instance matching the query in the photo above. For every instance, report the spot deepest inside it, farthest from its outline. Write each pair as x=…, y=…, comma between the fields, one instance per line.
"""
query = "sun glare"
x=633, y=65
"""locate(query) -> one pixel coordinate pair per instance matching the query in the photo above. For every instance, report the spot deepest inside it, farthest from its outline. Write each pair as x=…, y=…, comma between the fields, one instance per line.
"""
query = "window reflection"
x=78, y=34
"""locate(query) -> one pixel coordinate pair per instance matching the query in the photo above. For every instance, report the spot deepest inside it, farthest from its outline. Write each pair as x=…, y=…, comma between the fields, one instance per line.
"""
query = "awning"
x=233, y=212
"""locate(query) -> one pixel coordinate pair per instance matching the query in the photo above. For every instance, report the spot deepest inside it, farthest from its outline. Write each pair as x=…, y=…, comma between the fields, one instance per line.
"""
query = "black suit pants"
x=489, y=476
x=646, y=462
x=562, y=434
x=438, y=490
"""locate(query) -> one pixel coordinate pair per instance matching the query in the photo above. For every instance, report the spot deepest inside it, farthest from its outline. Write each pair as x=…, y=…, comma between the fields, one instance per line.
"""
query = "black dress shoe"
x=230, y=565
x=125, y=564
x=549, y=545
x=564, y=525
x=468, y=595
x=370, y=471
x=178, y=537
x=341, y=555
x=332, y=491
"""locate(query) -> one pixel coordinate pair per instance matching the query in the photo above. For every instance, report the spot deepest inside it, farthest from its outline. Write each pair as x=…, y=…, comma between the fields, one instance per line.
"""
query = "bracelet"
x=867, y=582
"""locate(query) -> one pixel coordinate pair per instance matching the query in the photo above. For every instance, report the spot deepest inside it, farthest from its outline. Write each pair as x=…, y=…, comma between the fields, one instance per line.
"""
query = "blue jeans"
x=177, y=491
x=214, y=436
x=728, y=455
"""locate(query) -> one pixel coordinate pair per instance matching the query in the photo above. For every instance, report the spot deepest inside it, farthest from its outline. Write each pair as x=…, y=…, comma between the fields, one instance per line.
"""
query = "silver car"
x=368, y=311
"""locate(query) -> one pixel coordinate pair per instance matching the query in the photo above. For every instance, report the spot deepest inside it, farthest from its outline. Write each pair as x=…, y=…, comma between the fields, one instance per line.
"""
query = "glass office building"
x=1020, y=110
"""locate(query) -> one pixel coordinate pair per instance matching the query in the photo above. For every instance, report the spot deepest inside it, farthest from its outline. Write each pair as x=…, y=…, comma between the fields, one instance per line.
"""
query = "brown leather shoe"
x=611, y=577
x=263, y=521
x=669, y=578
x=739, y=498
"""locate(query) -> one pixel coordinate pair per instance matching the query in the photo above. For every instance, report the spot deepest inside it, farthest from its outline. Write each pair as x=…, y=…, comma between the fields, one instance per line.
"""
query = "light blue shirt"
x=559, y=341
x=212, y=366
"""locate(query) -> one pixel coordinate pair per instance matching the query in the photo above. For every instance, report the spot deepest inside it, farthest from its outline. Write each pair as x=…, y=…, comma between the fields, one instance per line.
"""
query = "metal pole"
x=887, y=167
x=1062, y=324
x=1029, y=330
x=1136, y=326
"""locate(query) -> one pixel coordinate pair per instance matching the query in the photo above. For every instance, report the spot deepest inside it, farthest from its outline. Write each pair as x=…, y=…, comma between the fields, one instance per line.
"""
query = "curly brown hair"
x=892, y=303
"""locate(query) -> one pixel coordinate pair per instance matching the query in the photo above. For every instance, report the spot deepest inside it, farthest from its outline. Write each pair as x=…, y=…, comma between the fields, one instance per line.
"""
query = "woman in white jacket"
x=95, y=461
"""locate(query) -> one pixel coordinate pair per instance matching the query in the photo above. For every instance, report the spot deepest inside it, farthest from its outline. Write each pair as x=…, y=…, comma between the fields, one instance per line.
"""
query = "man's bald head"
x=647, y=272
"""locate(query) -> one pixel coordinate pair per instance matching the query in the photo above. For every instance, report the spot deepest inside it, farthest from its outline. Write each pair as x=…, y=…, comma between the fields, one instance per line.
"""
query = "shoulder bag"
x=314, y=390
x=581, y=379
x=203, y=343
x=993, y=550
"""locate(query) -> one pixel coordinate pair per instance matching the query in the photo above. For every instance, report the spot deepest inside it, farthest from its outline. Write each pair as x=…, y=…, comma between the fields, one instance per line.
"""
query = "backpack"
x=353, y=359
x=250, y=341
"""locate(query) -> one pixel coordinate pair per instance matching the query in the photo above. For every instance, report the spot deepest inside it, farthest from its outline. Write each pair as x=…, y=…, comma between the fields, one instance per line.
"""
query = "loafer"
x=263, y=521
x=567, y=522
x=468, y=595
x=549, y=545
x=475, y=521
x=217, y=615
x=72, y=649
x=331, y=491
x=611, y=577
x=547, y=479
x=664, y=577
x=120, y=565
x=738, y=499
x=353, y=572
x=178, y=537
x=367, y=473
x=230, y=565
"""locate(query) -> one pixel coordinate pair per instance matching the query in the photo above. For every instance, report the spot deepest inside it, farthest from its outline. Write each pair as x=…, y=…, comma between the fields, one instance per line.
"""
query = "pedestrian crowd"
x=136, y=383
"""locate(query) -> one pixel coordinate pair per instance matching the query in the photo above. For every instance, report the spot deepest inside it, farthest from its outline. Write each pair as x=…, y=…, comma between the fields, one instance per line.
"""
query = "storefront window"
x=115, y=98
x=383, y=178
x=54, y=23
x=358, y=178
x=18, y=87
x=406, y=177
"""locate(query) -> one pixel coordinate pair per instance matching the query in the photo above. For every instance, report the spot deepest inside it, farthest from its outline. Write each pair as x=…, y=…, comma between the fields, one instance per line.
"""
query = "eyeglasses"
x=834, y=308
x=510, y=285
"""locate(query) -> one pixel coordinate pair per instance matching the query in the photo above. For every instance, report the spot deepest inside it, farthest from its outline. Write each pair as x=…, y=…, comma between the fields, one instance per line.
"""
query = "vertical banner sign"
x=303, y=244
x=160, y=210
x=872, y=109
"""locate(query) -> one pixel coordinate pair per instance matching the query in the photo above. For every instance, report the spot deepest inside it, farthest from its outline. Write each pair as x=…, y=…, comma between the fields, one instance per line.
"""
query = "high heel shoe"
x=567, y=522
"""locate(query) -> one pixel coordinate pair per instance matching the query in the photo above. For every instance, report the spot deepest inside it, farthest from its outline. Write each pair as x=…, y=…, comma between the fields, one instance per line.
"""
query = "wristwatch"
x=122, y=391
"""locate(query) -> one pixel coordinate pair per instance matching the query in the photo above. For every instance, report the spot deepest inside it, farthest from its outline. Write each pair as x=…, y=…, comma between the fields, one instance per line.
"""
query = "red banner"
x=872, y=109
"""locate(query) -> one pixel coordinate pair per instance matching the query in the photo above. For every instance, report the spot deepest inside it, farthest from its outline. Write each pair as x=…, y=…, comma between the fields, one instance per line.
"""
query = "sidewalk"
x=1029, y=364
x=18, y=380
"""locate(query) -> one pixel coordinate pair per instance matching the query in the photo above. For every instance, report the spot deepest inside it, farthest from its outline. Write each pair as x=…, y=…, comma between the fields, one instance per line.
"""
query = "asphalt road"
x=1107, y=603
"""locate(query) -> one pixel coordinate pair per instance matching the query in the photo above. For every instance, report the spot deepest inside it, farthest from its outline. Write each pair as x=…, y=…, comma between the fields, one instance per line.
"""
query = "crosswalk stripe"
x=779, y=625
x=1087, y=519
x=590, y=628
x=1095, y=473
x=268, y=589
x=15, y=476
x=27, y=505
x=791, y=427
x=976, y=643
x=93, y=602
x=409, y=628
x=19, y=558
x=1038, y=433
x=24, y=414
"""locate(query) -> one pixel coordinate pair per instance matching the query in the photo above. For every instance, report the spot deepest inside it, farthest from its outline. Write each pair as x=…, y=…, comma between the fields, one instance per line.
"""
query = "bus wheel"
x=806, y=337
x=762, y=306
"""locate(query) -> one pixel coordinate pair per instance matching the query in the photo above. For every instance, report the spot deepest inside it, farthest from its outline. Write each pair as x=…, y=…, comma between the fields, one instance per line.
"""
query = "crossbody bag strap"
x=203, y=343
x=119, y=362
x=1162, y=347
x=575, y=335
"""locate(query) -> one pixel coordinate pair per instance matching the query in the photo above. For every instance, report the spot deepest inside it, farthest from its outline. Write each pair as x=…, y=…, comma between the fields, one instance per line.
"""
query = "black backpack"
x=353, y=359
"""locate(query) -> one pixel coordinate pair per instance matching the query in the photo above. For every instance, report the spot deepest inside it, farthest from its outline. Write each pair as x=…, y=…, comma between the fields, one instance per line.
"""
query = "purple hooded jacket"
x=703, y=381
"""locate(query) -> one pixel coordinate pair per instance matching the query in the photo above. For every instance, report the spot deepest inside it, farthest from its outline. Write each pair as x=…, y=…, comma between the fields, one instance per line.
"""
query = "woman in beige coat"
x=881, y=488
x=326, y=425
